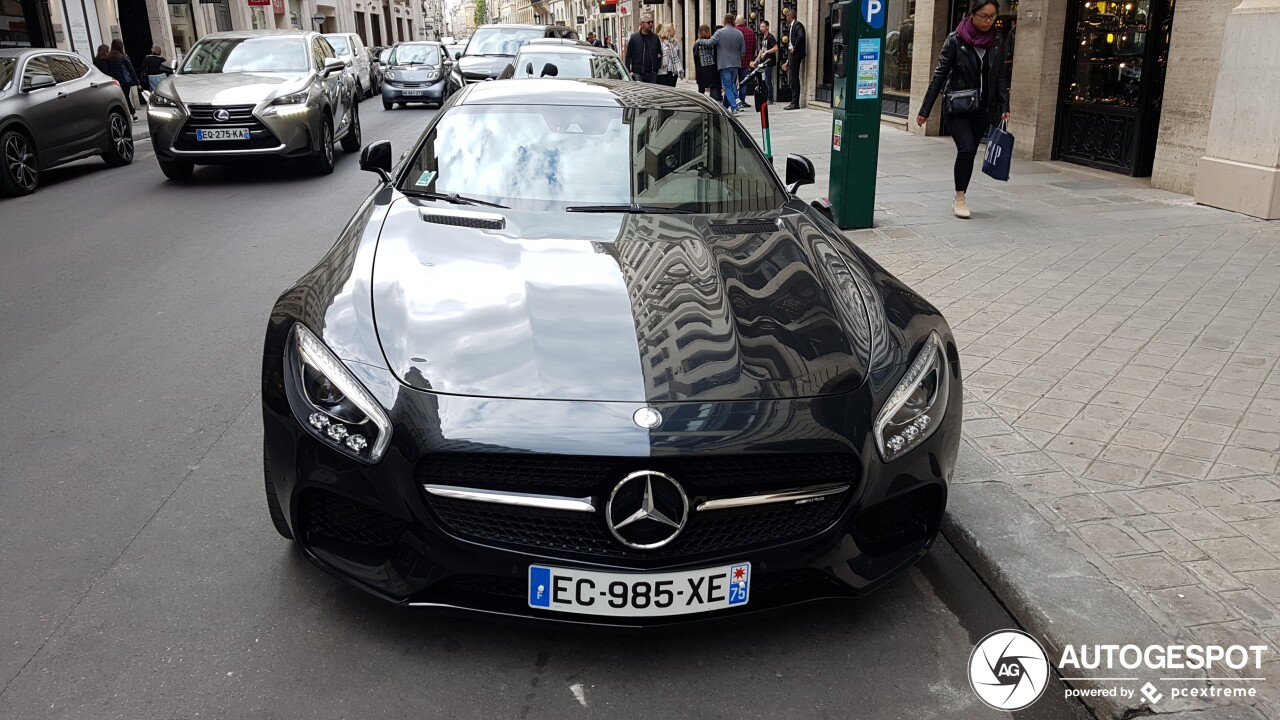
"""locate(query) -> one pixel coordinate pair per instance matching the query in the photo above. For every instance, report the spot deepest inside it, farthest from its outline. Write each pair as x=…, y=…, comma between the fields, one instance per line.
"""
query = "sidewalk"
x=1117, y=480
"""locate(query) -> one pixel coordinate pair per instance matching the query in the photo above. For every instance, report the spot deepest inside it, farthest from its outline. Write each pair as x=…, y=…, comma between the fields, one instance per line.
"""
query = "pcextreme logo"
x=1009, y=670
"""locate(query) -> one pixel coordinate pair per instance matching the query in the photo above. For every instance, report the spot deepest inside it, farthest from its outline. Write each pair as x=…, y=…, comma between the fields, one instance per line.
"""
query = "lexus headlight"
x=916, y=406
x=339, y=411
x=297, y=98
x=158, y=100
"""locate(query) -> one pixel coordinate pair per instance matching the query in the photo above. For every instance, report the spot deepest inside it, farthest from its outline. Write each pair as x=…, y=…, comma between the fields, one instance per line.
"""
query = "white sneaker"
x=960, y=207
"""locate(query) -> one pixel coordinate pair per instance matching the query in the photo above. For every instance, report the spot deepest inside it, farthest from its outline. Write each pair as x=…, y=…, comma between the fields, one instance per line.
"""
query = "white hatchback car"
x=350, y=48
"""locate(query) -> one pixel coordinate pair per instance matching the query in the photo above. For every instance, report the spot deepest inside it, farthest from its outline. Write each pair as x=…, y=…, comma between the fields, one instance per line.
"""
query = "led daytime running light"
x=928, y=359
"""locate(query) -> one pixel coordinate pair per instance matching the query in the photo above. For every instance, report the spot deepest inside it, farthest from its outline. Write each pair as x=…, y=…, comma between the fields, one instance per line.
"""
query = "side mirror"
x=332, y=65
x=550, y=70
x=35, y=82
x=376, y=158
x=457, y=55
x=528, y=69
x=799, y=172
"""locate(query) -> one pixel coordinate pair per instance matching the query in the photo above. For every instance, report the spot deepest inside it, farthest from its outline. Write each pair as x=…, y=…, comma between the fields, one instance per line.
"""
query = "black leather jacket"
x=959, y=68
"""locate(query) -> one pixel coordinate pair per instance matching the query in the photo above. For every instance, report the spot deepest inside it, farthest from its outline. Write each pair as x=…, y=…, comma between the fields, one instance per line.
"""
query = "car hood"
x=233, y=88
x=611, y=307
x=474, y=66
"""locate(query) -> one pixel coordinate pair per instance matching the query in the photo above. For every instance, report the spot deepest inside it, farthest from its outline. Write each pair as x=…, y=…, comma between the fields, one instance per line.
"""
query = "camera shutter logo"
x=1008, y=670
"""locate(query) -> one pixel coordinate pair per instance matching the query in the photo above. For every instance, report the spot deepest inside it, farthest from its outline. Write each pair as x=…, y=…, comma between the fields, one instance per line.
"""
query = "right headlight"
x=337, y=409
x=298, y=98
x=917, y=405
x=158, y=100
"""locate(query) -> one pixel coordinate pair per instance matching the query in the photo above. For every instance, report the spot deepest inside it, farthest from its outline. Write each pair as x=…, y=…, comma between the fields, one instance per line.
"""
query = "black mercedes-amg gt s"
x=582, y=356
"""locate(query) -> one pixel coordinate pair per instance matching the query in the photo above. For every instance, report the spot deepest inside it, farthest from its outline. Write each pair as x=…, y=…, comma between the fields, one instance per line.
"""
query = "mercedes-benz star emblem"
x=647, y=418
x=647, y=510
x=221, y=115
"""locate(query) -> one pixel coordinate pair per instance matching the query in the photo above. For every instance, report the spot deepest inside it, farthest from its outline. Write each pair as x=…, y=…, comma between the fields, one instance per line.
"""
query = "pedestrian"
x=608, y=42
x=117, y=51
x=748, y=52
x=729, y=47
x=767, y=58
x=154, y=69
x=704, y=57
x=111, y=64
x=644, y=52
x=797, y=50
x=672, y=56
x=975, y=92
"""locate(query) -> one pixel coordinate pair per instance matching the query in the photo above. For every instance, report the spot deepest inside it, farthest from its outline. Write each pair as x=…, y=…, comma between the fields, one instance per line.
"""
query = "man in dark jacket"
x=798, y=47
x=644, y=52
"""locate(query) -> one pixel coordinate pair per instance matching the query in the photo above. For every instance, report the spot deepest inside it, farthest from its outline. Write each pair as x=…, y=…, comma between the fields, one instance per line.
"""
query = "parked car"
x=254, y=95
x=417, y=72
x=553, y=58
x=55, y=108
x=492, y=46
x=375, y=69
x=581, y=355
x=350, y=48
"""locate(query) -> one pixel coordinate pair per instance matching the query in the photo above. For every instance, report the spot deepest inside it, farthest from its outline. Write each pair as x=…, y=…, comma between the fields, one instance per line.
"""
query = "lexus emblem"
x=221, y=115
x=646, y=510
x=647, y=418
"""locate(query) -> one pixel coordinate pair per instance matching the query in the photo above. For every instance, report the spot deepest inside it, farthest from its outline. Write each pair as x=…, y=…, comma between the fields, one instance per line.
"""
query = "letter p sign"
x=873, y=13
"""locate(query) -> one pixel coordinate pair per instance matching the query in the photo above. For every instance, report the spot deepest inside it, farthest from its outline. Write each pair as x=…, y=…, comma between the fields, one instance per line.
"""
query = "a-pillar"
x=1241, y=167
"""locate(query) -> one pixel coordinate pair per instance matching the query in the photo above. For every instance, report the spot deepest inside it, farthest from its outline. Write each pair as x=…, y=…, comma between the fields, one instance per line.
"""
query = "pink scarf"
x=971, y=36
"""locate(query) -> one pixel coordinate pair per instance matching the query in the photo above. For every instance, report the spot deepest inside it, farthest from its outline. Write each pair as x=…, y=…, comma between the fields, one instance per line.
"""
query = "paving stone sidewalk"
x=1119, y=346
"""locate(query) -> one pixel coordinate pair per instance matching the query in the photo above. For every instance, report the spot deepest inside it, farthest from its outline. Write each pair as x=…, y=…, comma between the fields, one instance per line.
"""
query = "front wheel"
x=322, y=161
x=21, y=171
x=351, y=141
x=119, y=150
x=177, y=170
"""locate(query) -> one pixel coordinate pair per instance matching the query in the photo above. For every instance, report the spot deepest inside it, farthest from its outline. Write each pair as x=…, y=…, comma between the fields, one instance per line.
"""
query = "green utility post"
x=857, y=28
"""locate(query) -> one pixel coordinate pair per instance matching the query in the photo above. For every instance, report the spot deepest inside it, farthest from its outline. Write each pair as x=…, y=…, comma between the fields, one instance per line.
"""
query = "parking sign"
x=873, y=13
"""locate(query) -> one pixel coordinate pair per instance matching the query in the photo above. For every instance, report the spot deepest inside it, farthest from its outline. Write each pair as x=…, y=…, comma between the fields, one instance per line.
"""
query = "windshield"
x=545, y=157
x=6, y=71
x=247, y=55
x=339, y=44
x=415, y=55
x=570, y=65
x=501, y=41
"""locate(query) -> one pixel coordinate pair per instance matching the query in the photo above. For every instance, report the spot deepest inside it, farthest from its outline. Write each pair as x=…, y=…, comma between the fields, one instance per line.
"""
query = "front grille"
x=327, y=515
x=585, y=534
x=241, y=116
x=588, y=474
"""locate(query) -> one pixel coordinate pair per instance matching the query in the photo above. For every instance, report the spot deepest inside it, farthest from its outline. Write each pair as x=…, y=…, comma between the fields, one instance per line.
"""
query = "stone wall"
x=1195, y=54
x=1037, y=68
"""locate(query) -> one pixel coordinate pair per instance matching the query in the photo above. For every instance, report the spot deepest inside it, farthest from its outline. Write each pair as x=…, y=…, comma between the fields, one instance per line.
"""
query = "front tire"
x=20, y=174
x=351, y=141
x=119, y=150
x=177, y=170
x=322, y=162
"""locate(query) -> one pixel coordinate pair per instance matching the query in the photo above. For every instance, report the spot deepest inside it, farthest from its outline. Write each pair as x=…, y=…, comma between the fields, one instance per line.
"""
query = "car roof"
x=26, y=51
x=245, y=34
x=567, y=47
x=583, y=92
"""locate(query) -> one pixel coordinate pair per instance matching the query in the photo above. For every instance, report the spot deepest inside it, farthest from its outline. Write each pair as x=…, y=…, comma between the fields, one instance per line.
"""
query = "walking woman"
x=672, y=58
x=117, y=67
x=705, y=71
x=975, y=92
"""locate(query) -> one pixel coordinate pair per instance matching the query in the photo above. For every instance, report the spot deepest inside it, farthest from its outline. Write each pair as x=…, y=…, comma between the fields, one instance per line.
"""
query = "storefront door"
x=1113, y=67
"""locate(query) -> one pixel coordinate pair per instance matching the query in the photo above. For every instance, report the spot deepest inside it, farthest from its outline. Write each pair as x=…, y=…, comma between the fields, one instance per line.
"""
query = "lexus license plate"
x=639, y=594
x=223, y=134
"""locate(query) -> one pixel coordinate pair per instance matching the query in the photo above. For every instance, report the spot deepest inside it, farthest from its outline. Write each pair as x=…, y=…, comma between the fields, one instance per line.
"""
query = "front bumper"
x=424, y=91
x=274, y=132
x=375, y=526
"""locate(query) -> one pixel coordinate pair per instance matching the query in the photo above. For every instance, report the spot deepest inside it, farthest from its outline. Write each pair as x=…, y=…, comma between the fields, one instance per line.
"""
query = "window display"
x=1106, y=60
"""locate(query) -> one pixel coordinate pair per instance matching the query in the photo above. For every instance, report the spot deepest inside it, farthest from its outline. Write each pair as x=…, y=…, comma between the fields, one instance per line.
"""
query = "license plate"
x=412, y=92
x=223, y=134
x=639, y=594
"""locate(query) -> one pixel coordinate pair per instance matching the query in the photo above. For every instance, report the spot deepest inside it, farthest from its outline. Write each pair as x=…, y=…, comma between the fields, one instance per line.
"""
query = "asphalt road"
x=140, y=576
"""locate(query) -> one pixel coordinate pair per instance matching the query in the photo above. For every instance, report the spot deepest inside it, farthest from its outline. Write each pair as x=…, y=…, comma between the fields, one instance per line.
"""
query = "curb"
x=1055, y=593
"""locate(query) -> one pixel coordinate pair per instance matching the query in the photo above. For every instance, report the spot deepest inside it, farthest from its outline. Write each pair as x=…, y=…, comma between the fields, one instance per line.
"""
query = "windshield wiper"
x=632, y=209
x=454, y=198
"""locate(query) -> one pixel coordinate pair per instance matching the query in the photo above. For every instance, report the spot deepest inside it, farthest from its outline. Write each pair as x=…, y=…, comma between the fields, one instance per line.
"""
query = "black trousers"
x=793, y=79
x=967, y=130
x=667, y=79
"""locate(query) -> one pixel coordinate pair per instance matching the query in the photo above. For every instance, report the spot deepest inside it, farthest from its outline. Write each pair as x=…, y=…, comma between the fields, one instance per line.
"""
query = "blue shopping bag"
x=999, y=153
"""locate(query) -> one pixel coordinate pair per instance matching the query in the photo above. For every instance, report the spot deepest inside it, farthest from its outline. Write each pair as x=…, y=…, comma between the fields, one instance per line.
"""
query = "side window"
x=66, y=68
x=38, y=65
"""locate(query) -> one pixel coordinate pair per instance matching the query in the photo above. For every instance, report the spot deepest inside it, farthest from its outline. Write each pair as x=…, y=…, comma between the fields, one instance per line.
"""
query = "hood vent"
x=745, y=228
x=463, y=218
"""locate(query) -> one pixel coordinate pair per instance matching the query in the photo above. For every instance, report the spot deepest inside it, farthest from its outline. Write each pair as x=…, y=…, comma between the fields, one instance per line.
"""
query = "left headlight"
x=339, y=410
x=917, y=405
x=297, y=98
x=158, y=100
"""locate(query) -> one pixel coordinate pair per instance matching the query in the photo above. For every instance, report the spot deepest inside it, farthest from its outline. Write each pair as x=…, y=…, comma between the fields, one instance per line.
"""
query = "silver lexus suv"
x=255, y=95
